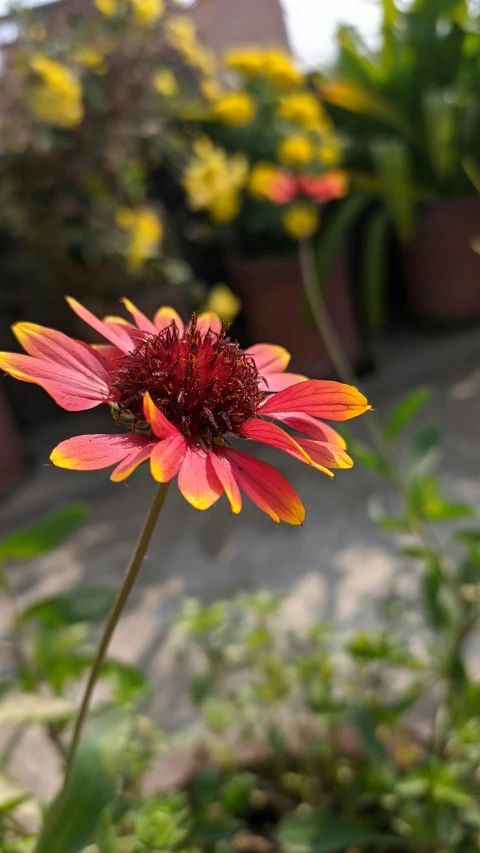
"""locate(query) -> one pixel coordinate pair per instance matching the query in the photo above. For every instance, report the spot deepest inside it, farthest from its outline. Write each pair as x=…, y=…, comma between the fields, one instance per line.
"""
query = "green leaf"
x=440, y=128
x=393, y=171
x=106, y=838
x=87, y=604
x=43, y=536
x=34, y=708
x=368, y=458
x=405, y=411
x=73, y=820
x=11, y=793
x=364, y=721
x=320, y=832
x=374, y=270
x=425, y=450
x=356, y=99
x=334, y=234
x=130, y=683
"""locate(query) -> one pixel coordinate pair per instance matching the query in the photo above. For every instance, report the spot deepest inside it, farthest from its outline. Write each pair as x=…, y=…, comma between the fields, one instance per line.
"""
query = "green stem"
x=117, y=610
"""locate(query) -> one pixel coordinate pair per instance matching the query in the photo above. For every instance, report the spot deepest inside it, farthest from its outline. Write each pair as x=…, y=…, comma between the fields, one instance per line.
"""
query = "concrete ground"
x=337, y=566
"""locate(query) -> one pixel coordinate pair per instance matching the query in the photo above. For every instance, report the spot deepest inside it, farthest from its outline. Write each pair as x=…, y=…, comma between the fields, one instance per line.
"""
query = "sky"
x=311, y=24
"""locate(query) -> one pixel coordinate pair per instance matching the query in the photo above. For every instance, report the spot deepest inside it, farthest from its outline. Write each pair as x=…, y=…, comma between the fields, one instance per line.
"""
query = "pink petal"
x=131, y=462
x=92, y=452
x=319, y=398
x=325, y=454
x=50, y=345
x=72, y=390
x=110, y=356
x=313, y=428
x=274, y=382
x=223, y=469
x=266, y=487
x=198, y=484
x=161, y=426
x=141, y=320
x=167, y=457
x=116, y=335
x=164, y=318
x=268, y=433
x=209, y=321
x=269, y=358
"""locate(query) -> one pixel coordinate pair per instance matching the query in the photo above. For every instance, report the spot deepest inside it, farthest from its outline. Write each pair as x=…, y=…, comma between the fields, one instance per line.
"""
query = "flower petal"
x=274, y=382
x=141, y=320
x=266, y=487
x=268, y=433
x=71, y=389
x=167, y=457
x=198, y=484
x=209, y=321
x=161, y=426
x=164, y=318
x=313, y=428
x=325, y=454
x=223, y=470
x=319, y=398
x=93, y=452
x=116, y=335
x=269, y=358
x=50, y=345
x=131, y=462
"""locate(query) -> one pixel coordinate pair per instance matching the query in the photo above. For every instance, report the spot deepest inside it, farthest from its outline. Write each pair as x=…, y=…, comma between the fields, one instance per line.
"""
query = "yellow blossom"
x=180, y=31
x=295, y=150
x=236, y=109
x=302, y=108
x=247, y=61
x=301, y=220
x=210, y=89
x=57, y=98
x=212, y=179
x=329, y=152
x=145, y=232
x=261, y=178
x=165, y=82
x=280, y=69
x=222, y=302
x=224, y=207
x=89, y=56
x=108, y=8
x=147, y=12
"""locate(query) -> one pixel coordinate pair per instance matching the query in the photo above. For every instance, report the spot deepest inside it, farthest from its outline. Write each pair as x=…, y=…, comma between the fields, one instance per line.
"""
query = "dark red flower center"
x=202, y=382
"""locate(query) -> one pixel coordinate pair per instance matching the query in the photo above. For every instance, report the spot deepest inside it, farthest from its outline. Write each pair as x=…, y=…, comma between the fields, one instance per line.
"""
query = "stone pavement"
x=337, y=566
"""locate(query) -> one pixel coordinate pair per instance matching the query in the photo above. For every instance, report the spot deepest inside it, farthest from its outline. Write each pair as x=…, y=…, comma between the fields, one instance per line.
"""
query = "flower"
x=147, y=12
x=295, y=150
x=222, y=302
x=90, y=57
x=286, y=187
x=145, y=232
x=302, y=108
x=280, y=69
x=212, y=180
x=301, y=220
x=184, y=394
x=236, y=109
x=180, y=31
x=329, y=151
x=247, y=61
x=108, y=8
x=262, y=176
x=57, y=98
x=165, y=82
x=210, y=89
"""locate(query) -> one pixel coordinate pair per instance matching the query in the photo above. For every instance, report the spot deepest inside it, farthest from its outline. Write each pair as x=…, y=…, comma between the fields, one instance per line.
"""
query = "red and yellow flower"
x=183, y=393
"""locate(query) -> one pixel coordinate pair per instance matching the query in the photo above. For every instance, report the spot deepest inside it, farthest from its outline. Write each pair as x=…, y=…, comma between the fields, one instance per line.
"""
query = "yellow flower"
x=295, y=150
x=301, y=220
x=89, y=56
x=330, y=151
x=57, y=99
x=180, y=31
x=145, y=232
x=280, y=69
x=236, y=109
x=147, y=12
x=165, y=82
x=247, y=61
x=261, y=178
x=211, y=89
x=222, y=302
x=108, y=8
x=301, y=108
x=224, y=208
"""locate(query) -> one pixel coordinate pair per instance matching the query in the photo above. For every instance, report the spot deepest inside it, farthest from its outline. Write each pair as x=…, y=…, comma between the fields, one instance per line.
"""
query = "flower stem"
x=116, y=612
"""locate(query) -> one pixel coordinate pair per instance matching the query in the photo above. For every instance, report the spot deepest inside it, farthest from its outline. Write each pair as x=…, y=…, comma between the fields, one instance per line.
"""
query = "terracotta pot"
x=12, y=461
x=442, y=270
x=273, y=300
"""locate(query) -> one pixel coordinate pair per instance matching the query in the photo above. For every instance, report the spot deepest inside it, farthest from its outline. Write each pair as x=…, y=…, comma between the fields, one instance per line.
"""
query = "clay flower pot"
x=442, y=269
x=272, y=295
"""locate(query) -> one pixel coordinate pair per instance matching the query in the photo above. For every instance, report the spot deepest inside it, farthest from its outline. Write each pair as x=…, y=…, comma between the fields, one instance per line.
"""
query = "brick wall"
x=222, y=23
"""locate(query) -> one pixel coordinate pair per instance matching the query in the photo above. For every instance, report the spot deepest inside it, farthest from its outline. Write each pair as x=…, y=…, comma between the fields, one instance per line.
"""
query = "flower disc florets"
x=202, y=382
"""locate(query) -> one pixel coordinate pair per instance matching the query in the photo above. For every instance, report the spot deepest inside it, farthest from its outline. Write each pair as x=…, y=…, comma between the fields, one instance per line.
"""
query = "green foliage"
x=46, y=534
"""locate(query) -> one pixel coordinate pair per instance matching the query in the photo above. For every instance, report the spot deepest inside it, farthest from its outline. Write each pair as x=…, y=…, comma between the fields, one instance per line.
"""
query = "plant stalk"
x=112, y=622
